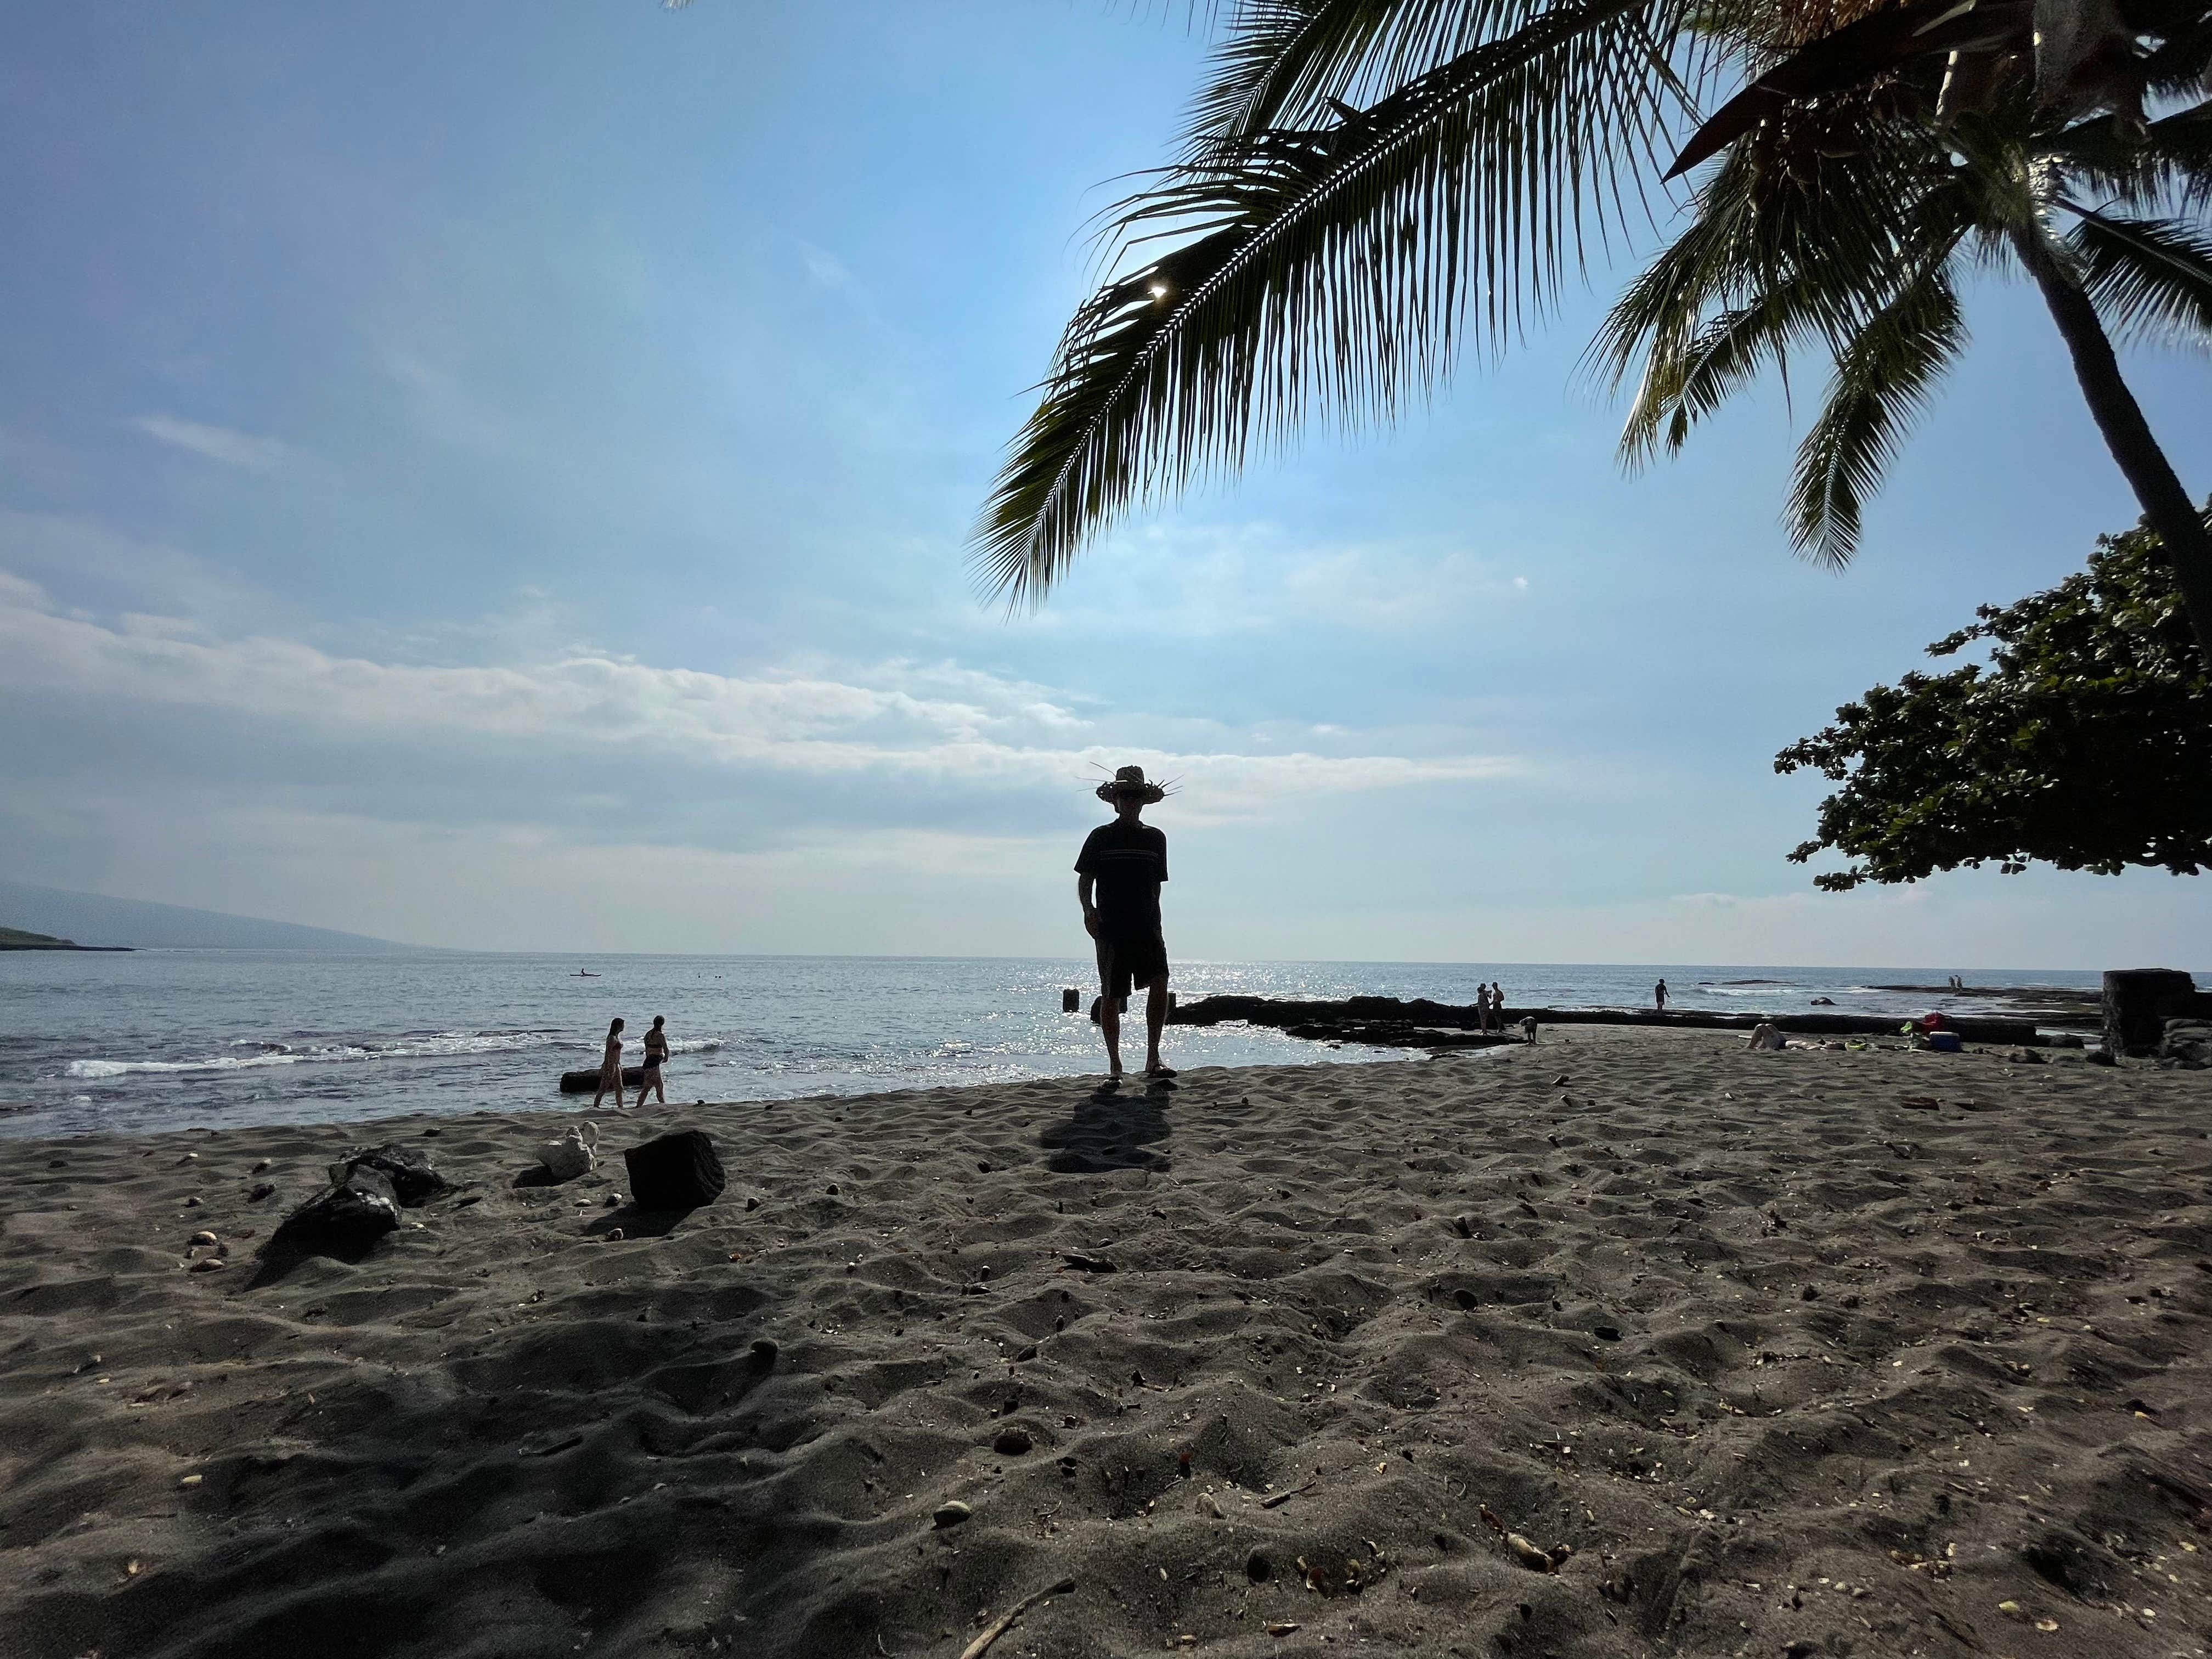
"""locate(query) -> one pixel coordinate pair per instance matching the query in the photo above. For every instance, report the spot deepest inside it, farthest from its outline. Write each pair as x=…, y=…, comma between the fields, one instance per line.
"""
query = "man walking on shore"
x=1118, y=877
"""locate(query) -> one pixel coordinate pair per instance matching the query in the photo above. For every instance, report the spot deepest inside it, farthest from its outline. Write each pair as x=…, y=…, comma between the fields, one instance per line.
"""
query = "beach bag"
x=574, y=1154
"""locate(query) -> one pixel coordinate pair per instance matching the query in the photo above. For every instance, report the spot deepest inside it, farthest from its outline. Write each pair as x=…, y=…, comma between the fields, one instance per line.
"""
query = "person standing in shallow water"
x=1117, y=881
x=610, y=1068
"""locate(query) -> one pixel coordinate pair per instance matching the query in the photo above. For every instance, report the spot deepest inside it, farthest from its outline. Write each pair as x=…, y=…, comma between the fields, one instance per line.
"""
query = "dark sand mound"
x=1807, y=1352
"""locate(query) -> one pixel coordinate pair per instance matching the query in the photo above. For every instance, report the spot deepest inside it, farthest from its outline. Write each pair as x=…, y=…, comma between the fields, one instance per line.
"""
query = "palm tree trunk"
x=2165, y=504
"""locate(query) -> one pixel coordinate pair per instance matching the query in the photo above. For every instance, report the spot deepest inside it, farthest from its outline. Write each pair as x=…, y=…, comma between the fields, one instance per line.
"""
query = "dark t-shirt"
x=1129, y=861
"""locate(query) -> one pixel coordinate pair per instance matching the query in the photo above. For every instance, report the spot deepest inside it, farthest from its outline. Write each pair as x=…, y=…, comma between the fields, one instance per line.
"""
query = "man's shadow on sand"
x=1109, y=1129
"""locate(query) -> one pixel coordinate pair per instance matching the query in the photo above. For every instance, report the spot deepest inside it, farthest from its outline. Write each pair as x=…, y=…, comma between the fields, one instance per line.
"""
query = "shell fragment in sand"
x=1527, y=1554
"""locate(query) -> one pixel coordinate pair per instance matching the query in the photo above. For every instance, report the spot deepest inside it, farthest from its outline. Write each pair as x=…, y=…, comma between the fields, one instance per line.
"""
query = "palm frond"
x=1883, y=377
x=2149, y=275
x=1662, y=317
x=2168, y=164
x=1851, y=57
x=1284, y=62
x=1772, y=263
x=1330, y=262
x=1681, y=387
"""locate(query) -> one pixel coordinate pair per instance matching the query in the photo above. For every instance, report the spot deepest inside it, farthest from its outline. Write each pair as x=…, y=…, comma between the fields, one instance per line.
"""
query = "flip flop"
x=1160, y=1070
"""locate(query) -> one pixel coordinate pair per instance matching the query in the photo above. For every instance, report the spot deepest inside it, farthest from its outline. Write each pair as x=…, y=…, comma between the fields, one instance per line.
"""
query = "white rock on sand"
x=1875, y=1352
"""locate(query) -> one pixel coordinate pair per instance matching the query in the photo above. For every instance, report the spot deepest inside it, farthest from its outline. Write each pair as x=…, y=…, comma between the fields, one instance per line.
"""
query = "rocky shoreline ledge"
x=16, y=939
x=1390, y=1022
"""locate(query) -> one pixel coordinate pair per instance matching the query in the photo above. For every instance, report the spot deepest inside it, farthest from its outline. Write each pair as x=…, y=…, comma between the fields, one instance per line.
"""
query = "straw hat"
x=1130, y=781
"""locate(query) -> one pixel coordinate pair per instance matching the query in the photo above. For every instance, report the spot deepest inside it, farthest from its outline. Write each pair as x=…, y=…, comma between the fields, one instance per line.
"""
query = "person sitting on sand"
x=1123, y=864
x=656, y=1055
x=610, y=1068
x=1659, y=996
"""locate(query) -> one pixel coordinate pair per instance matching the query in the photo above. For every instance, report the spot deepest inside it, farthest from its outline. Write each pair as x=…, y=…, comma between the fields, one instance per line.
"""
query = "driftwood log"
x=414, y=1180
x=349, y=1217
x=583, y=1083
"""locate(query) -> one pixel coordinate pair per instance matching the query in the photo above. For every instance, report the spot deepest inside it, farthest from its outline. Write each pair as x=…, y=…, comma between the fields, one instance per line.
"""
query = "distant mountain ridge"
x=94, y=918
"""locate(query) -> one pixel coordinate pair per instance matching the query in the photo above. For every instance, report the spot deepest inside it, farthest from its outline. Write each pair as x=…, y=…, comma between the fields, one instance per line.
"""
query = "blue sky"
x=499, y=476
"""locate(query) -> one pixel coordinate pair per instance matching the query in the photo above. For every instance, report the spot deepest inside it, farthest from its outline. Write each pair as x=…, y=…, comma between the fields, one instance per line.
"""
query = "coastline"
x=1566, y=1284
x=164, y=1039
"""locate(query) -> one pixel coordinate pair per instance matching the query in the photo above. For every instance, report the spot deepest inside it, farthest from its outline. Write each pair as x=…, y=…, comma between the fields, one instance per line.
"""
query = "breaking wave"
x=426, y=1046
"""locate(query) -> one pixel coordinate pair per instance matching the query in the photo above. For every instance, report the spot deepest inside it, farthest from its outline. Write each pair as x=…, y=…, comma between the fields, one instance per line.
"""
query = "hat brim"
x=1149, y=793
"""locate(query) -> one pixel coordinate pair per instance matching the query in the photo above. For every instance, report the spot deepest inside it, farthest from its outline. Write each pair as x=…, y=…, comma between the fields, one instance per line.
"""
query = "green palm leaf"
x=1286, y=62
x=1883, y=377
x=1293, y=63
x=1327, y=262
x=1768, y=265
x=2151, y=275
x=2168, y=164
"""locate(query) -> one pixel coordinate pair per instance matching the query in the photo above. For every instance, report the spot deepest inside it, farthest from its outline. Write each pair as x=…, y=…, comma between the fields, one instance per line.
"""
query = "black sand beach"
x=1811, y=1353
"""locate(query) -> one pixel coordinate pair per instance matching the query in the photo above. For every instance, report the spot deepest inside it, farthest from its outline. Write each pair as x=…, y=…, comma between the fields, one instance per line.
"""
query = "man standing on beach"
x=1659, y=996
x=1118, y=877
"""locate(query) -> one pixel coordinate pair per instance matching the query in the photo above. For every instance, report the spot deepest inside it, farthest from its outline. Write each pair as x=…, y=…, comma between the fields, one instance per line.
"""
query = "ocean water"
x=167, y=1039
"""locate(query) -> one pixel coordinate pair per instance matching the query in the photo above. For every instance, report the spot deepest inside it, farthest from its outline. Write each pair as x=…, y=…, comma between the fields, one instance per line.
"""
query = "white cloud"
x=446, y=407
x=1206, y=581
x=216, y=443
x=22, y=593
x=823, y=266
x=78, y=556
x=919, y=724
x=1967, y=920
x=509, y=885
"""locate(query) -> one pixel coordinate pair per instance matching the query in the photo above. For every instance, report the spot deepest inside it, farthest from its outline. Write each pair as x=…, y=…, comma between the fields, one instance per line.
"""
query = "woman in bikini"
x=656, y=1052
x=610, y=1068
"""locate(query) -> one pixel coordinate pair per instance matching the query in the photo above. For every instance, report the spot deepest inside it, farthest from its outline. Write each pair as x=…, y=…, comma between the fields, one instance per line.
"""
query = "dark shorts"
x=651, y=1060
x=1126, y=961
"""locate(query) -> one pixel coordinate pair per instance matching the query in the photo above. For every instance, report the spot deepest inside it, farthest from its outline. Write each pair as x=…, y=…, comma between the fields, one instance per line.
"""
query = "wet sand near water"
x=1809, y=1352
